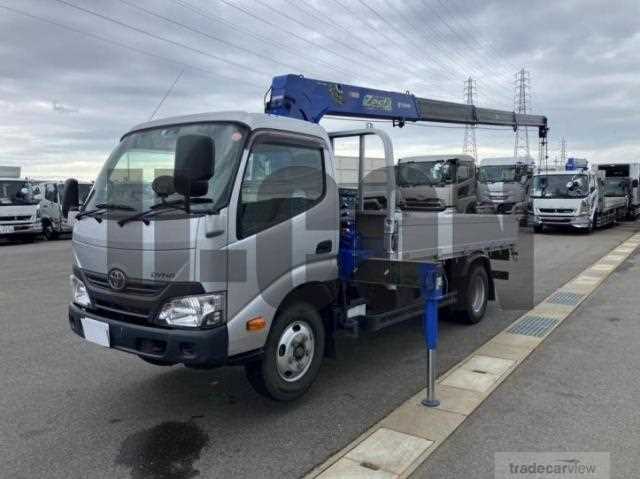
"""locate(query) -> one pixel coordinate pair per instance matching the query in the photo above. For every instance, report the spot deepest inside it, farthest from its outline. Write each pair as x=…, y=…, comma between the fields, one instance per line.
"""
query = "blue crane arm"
x=307, y=99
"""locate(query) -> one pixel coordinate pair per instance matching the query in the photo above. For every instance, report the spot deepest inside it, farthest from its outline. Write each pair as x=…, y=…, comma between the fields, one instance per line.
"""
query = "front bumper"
x=195, y=348
x=22, y=229
x=558, y=220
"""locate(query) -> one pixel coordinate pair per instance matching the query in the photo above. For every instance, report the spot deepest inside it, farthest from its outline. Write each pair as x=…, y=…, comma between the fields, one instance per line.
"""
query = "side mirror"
x=70, y=197
x=634, y=183
x=163, y=186
x=193, y=164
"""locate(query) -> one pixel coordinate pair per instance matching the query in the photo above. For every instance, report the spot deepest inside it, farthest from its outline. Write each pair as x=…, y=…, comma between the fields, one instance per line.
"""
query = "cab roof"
x=418, y=159
x=506, y=160
x=252, y=120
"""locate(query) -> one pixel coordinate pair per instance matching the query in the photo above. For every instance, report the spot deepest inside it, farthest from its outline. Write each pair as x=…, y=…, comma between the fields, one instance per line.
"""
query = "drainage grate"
x=565, y=297
x=536, y=326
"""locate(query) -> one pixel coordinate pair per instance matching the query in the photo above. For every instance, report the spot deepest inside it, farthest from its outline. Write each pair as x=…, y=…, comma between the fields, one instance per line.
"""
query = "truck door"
x=286, y=221
x=466, y=186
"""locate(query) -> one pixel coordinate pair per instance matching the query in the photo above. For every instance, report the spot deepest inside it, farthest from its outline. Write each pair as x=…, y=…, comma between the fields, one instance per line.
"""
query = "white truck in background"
x=504, y=184
x=56, y=221
x=573, y=198
x=622, y=179
x=19, y=205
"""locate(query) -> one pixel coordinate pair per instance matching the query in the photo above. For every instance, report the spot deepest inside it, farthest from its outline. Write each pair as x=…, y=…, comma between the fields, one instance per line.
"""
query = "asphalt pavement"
x=71, y=409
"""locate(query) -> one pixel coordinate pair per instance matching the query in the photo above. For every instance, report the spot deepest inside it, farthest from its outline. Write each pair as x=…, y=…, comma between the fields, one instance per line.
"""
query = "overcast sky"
x=73, y=80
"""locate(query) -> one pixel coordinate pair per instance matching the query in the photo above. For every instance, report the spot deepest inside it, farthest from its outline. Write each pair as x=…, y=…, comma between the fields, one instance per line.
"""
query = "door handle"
x=324, y=247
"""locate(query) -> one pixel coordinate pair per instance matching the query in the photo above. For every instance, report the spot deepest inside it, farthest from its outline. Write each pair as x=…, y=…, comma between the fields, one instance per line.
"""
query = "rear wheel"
x=292, y=355
x=476, y=295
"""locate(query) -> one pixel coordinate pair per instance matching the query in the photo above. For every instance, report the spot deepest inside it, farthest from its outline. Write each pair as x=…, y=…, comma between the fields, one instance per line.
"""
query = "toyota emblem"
x=117, y=279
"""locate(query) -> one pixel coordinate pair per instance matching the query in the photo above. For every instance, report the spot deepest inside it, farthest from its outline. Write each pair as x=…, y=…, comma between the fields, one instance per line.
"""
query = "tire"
x=537, y=229
x=476, y=295
x=48, y=232
x=292, y=355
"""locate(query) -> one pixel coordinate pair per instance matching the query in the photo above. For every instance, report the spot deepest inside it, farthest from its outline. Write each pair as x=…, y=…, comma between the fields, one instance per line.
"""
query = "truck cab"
x=452, y=177
x=567, y=198
x=503, y=184
x=19, y=208
x=55, y=221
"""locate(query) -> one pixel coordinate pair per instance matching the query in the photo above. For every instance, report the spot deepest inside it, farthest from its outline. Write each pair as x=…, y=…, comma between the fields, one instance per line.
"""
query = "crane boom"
x=307, y=99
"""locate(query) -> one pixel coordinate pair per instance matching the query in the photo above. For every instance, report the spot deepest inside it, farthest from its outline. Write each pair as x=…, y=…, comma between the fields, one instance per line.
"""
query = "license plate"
x=95, y=331
x=6, y=229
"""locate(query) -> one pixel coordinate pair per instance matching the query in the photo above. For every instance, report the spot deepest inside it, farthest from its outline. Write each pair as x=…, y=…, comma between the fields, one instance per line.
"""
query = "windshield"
x=495, y=173
x=16, y=192
x=560, y=186
x=616, y=187
x=126, y=178
x=425, y=173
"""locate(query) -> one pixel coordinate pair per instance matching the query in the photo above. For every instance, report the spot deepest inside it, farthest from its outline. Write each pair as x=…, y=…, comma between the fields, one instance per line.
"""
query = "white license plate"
x=6, y=229
x=95, y=331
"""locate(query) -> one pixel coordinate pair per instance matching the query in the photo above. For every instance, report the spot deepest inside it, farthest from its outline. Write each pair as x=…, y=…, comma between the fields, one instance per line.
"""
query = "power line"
x=336, y=26
x=166, y=40
x=123, y=45
x=300, y=37
x=260, y=38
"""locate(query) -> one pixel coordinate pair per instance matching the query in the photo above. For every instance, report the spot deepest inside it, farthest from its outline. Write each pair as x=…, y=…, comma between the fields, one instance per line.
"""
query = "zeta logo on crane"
x=375, y=102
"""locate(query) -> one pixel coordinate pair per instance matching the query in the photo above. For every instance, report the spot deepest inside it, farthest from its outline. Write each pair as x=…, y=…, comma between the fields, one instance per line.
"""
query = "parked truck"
x=622, y=184
x=573, y=198
x=230, y=243
x=504, y=184
x=19, y=205
x=55, y=220
x=451, y=177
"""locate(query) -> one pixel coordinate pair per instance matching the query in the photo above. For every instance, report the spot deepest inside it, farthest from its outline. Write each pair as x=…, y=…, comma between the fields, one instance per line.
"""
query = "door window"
x=280, y=181
x=50, y=193
x=465, y=171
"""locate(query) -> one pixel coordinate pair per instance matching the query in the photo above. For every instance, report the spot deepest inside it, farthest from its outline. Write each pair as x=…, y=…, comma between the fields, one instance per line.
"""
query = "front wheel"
x=476, y=295
x=537, y=229
x=292, y=356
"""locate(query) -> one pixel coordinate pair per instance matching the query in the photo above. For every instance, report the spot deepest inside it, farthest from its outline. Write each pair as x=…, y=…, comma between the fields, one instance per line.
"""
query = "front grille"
x=556, y=210
x=134, y=286
x=15, y=218
x=430, y=204
x=122, y=312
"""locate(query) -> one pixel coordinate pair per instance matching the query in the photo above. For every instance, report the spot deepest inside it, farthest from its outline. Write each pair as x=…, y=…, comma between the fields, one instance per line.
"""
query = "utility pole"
x=521, y=105
x=469, y=146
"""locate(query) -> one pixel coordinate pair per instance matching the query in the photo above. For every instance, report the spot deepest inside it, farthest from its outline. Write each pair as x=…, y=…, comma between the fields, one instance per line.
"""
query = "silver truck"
x=56, y=221
x=571, y=198
x=19, y=206
x=622, y=179
x=223, y=239
x=451, y=177
x=504, y=184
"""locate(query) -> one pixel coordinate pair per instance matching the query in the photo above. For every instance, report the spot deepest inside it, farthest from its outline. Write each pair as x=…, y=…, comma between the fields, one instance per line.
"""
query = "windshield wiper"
x=102, y=208
x=164, y=206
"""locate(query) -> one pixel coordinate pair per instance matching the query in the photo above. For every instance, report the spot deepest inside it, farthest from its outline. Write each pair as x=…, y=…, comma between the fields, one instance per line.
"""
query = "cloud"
x=66, y=97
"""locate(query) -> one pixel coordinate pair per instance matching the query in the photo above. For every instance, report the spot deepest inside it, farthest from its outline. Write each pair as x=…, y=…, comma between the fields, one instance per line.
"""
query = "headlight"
x=79, y=293
x=206, y=310
x=584, y=207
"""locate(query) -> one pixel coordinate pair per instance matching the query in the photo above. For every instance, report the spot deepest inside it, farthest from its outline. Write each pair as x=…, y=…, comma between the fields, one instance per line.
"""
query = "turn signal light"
x=256, y=324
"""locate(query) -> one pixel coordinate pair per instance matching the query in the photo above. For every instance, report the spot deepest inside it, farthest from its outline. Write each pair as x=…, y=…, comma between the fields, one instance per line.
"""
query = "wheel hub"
x=295, y=351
